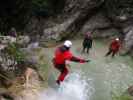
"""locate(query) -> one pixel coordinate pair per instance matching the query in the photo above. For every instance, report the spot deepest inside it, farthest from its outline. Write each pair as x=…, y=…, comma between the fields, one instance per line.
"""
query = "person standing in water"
x=62, y=54
x=87, y=42
x=114, y=47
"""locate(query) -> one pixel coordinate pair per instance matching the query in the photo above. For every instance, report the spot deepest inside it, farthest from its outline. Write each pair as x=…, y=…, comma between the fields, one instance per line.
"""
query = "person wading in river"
x=87, y=42
x=62, y=54
x=114, y=47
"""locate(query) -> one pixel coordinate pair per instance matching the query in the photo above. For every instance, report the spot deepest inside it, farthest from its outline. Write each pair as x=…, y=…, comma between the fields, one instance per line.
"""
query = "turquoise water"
x=98, y=79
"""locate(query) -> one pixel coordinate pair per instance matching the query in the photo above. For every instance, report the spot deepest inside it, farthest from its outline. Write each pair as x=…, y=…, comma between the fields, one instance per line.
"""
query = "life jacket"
x=115, y=45
x=87, y=35
x=61, y=55
x=87, y=42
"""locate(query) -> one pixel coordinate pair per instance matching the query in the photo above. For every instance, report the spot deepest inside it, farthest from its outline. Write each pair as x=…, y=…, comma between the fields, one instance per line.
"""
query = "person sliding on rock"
x=62, y=54
x=114, y=47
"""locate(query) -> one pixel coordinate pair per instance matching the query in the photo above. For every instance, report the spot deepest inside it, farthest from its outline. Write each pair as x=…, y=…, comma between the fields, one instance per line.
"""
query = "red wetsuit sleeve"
x=69, y=56
x=76, y=59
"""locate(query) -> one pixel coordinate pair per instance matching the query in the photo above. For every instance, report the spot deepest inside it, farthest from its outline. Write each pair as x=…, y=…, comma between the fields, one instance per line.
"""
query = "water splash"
x=74, y=87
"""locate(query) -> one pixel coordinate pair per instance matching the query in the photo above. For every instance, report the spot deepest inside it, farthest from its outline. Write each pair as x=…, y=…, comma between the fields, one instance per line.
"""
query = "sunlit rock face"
x=129, y=41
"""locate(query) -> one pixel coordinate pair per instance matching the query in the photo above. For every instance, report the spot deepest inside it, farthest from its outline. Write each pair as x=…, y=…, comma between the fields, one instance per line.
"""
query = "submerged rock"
x=130, y=90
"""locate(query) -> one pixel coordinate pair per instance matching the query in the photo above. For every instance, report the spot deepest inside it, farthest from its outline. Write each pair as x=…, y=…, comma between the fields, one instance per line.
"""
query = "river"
x=99, y=79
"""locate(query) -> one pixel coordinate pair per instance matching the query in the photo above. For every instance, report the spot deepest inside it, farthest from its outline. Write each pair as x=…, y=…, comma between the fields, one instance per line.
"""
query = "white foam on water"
x=74, y=87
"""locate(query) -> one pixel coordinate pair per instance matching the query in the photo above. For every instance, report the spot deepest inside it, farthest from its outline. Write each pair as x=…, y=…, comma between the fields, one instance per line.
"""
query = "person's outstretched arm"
x=70, y=57
x=76, y=59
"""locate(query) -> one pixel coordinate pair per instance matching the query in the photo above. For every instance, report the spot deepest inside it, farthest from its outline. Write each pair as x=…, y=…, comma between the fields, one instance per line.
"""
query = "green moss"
x=122, y=96
x=15, y=52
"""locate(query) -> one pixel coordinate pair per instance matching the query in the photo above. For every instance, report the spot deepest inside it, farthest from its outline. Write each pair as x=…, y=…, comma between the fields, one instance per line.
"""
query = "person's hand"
x=87, y=60
x=84, y=61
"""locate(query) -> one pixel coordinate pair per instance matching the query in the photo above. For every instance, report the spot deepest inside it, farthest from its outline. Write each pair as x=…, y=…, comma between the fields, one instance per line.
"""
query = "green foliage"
x=1, y=33
x=14, y=51
x=124, y=96
x=41, y=8
x=47, y=7
x=40, y=3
